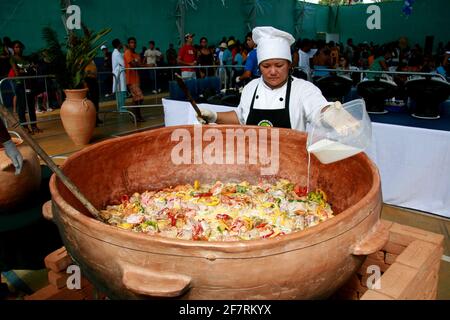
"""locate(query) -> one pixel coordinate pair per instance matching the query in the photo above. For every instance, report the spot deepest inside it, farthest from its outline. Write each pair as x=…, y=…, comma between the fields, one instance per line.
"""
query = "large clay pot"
x=312, y=263
x=78, y=116
x=14, y=189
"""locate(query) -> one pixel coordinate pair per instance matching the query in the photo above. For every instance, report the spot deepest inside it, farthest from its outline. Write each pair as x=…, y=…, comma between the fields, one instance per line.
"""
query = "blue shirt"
x=319, y=73
x=252, y=64
x=238, y=59
x=227, y=58
x=441, y=71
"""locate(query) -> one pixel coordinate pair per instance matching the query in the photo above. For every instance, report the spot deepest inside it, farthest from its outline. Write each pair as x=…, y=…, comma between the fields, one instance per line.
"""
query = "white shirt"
x=305, y=101
x=152, y=56
x=303, y=61
x=117, y=65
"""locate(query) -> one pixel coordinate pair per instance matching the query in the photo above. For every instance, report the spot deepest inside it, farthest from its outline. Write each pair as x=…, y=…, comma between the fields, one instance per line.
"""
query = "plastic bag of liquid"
x=340, y=131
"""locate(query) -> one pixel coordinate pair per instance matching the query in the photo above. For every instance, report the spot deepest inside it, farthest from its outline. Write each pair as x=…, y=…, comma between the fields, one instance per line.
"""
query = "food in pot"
x=221, y=211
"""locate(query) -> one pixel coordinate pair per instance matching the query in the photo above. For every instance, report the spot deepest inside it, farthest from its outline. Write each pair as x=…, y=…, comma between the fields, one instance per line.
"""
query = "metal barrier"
x=11, y=79
x=118, y=109
x=45, y=77
x=221, y=70
x=362, y=72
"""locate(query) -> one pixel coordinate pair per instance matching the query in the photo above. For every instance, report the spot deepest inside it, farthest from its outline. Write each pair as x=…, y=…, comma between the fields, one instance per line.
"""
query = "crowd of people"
x=393, y=56
x=233, y=61
x=27, y=94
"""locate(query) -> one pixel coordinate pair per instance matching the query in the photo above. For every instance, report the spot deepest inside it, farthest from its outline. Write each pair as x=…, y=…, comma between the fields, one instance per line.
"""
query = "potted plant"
x=78, y=114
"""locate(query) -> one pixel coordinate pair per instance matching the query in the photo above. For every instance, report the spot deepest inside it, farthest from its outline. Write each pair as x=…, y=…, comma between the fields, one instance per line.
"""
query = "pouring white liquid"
x=328, y=151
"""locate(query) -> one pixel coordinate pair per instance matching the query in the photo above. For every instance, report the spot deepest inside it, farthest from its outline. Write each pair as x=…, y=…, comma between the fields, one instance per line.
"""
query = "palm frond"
x=81, y=49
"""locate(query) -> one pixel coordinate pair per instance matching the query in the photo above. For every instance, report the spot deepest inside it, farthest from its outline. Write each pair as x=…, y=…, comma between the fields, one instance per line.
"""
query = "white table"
x=414, y=163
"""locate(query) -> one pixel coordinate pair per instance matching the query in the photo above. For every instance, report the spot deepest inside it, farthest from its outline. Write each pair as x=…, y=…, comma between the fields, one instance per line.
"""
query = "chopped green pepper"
x=241, y=189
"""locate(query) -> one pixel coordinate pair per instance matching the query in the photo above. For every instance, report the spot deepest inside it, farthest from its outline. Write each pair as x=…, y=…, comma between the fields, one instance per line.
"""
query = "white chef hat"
x=272, y=43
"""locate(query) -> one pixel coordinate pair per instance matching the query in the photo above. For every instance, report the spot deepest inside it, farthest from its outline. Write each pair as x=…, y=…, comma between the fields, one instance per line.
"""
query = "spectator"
x=8, y=44
x=118, y=64
x=364, y=56
x=133, y=60
x=444, y=66
x=21, y=67
x=142, y=53
x=160, y=62
x=187, y=57
x=428, y=64
x=227, y=59
x=251, y=69
x=379, y=63
x=152, y=58
x=43, y=87
x=4, y=61
x=171, y=55
x=5, y=66
x=349, y=50
x=334, y=54
x=322, y=60
x=205, y=58
x=238, y=63
x=91, y=82
x=302, y=60
x=221, y=71
x=107, y=67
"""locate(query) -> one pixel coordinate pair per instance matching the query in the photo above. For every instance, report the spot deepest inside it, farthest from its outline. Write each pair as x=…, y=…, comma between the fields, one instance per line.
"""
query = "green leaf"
x=81, y=49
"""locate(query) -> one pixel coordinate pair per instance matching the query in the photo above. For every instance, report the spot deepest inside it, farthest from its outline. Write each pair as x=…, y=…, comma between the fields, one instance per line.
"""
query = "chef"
x=276, y=99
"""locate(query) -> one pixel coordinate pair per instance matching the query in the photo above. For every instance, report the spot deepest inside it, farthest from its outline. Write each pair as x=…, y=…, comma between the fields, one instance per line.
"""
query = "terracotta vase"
x=308, y=264
x=14, y=189
x=78, y=116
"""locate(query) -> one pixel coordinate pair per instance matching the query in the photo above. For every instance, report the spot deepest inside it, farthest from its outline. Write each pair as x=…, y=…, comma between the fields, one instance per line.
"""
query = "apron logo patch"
x=265, y=123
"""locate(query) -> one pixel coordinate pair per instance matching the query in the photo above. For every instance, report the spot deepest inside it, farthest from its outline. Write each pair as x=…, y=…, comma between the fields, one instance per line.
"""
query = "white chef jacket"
x=305, y=101
x=118, y=64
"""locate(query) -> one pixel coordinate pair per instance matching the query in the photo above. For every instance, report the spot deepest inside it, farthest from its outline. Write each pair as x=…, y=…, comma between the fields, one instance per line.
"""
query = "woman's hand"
x=208, y=116
x=340, y=119
x=14, y=154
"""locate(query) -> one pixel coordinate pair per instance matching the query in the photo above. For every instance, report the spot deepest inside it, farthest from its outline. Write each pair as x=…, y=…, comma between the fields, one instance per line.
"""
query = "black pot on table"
x=427, y=93
x=375, y=92
x=334, y=87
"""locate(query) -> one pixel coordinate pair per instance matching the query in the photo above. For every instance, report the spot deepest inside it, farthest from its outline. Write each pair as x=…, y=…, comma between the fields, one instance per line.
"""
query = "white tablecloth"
x=177, y=113
x=414, y=163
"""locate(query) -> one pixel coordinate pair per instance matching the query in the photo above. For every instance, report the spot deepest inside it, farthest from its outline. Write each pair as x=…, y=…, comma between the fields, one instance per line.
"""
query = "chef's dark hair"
x=249, y=35
x=131, y=39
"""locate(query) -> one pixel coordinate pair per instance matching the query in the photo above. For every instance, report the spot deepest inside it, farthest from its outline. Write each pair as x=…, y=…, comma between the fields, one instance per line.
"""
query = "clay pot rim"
x=76, y=90
x=97, y=227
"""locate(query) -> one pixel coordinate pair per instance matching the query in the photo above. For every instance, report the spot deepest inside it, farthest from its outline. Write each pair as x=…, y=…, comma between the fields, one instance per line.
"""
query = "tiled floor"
x=55, y=142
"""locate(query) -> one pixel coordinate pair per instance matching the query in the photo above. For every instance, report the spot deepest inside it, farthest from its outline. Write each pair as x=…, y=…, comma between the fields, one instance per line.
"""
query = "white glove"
x=208, y=116
x=340, y=119
x=14, y=154
x=238, y=79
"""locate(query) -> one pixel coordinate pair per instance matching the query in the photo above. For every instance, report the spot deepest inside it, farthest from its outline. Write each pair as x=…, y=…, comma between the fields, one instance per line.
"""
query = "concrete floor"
x=56, y=143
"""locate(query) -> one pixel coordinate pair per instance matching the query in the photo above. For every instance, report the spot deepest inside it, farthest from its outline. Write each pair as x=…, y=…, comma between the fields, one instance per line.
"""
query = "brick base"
x=57, y=263
x=409, y=265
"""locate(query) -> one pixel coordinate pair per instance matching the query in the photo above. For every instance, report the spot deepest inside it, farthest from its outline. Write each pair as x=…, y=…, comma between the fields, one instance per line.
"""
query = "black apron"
x=279, y=118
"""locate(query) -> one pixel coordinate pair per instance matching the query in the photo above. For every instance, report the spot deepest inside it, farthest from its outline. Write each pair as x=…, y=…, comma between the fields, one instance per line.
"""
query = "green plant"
x=80, y=49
